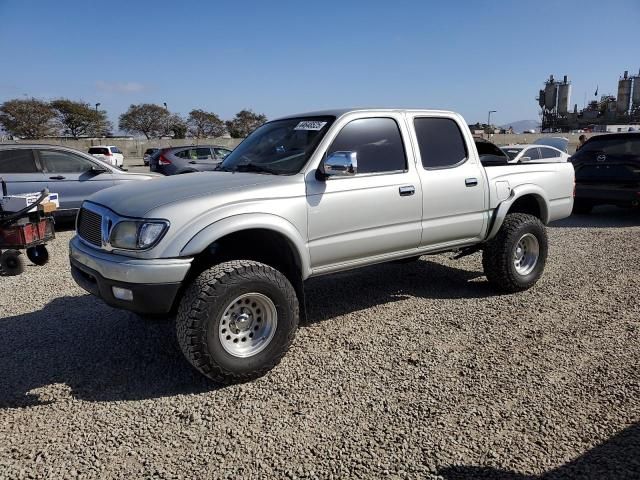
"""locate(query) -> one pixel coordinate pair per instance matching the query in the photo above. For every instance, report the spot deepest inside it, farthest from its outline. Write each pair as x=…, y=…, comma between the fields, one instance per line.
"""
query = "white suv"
x=108, y=153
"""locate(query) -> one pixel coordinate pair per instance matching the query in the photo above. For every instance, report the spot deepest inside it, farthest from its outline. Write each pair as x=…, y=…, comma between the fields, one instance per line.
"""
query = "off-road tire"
x=11, y=263
x=581, y=207
x=39, y=255
x=498, y=254
x=201, y=309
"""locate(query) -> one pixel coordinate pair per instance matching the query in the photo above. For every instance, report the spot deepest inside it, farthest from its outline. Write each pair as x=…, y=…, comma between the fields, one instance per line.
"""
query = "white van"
x=108, y=153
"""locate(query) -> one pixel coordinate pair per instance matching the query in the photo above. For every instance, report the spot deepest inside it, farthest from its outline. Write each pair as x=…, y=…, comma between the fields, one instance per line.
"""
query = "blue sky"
x=280, y=57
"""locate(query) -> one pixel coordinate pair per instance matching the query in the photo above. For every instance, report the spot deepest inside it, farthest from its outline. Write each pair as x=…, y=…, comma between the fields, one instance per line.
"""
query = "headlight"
x=137, y=234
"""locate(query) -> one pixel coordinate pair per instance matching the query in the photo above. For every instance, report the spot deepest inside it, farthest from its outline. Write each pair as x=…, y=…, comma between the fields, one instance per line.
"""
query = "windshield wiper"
x=220, y=168
x=253, y=167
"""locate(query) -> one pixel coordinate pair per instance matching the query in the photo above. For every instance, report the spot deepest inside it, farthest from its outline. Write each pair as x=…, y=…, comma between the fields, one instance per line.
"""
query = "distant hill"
x=522, y=125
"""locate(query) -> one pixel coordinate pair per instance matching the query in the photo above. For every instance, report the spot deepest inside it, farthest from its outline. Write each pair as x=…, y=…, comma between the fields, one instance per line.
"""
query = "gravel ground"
x=403, y=371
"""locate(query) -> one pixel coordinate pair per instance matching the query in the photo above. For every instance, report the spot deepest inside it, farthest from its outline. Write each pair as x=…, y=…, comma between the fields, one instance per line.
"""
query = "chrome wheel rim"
x=526, y=254
x=248, y=325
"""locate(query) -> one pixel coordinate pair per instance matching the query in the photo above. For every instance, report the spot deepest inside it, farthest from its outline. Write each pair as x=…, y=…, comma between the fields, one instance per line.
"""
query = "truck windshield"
x=281, y=147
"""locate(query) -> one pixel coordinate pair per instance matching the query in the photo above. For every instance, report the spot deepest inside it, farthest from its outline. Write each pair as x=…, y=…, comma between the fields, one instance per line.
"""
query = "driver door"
x=71, y=176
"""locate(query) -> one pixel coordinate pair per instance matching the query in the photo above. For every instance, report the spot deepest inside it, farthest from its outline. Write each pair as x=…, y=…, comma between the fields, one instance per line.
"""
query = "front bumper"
x=624, y=195
x=154, y=283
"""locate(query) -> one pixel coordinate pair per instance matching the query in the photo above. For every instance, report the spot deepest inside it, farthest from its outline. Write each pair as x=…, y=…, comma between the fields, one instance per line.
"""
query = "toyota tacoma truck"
x=227, y=252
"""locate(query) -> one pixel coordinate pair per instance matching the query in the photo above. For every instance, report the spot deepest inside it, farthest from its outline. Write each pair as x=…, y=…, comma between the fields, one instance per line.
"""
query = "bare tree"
x=244, y=123
x=205, y=124
x=149, y=119
x=79, y=119
x=176, y=126
x=27, y=118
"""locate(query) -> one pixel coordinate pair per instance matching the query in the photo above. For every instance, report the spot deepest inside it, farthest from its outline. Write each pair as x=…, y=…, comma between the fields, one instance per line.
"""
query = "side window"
x=182, y=154
x=221, y=152
x=17, y=161
x=548, y=153
x=377, y=142
x=532, y=153
x=63, y=162
x=203, y=153
x=441, y=142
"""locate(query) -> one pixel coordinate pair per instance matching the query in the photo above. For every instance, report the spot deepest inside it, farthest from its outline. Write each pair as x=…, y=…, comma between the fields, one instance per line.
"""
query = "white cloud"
x=120, y=87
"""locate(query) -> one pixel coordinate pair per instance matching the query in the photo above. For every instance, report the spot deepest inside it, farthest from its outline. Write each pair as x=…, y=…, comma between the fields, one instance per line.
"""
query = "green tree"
x=205, y=124
x=27, y=118
x=245, y=122
x=79, y=119
x=148, y=119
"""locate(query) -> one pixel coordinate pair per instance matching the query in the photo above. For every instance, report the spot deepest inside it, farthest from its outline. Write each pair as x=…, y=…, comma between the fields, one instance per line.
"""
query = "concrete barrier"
x=132, y=147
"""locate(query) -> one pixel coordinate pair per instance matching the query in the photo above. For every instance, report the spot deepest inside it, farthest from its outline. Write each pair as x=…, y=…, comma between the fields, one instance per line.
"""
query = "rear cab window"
x=440, y=142
x=19, y=160
x=99, y=151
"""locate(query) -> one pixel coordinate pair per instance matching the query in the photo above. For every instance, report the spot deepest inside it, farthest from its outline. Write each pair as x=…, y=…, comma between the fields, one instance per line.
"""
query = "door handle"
x=193, y=162
x=57, y=177
x=407, y=190
x=471, y=182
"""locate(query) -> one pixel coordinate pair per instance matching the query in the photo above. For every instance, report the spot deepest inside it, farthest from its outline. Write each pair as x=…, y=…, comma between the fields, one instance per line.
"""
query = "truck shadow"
x=342, y=293
x=102, y=354
x=605, y=216
x=99, y=353
x=617, y=458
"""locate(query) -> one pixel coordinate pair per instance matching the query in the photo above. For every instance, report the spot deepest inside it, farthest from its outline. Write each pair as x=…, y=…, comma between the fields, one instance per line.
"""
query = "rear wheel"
x=237, y=320
x=11, y=262
x=514, y=259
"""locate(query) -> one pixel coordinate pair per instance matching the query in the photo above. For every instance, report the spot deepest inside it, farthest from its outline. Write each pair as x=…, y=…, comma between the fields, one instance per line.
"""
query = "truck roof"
x=339, y=112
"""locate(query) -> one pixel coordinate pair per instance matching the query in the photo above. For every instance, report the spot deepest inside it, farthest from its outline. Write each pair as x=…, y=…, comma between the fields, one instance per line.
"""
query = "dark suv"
x=607, y=171
x=187, y=159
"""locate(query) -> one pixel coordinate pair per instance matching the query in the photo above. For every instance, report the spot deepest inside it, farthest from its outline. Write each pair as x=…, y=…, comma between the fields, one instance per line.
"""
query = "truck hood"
x=137, y=199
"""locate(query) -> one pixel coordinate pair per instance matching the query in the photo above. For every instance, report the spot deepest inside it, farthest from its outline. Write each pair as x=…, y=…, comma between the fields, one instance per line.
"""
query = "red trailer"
x=28, y=229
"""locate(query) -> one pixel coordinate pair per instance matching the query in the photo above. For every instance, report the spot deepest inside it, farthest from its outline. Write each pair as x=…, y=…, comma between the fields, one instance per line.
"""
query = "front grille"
x=90, y=227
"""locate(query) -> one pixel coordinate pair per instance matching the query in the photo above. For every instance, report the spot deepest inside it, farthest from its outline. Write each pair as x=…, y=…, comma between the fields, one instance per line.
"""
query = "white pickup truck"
x=228, y=251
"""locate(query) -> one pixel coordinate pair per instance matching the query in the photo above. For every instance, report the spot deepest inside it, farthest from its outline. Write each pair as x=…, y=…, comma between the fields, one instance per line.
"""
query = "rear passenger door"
x=200, y=158
x=453, y=182
x=533, y=154
x=72, y=177
x=20, y=171
x=549, y=154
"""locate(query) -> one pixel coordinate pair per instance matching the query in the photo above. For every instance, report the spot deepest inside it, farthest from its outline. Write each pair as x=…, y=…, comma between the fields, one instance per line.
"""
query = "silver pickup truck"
x=228, y=251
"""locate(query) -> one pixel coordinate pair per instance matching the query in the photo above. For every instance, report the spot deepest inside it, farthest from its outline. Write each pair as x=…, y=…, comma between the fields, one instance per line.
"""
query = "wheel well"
x=529, y=204
x=260, y=245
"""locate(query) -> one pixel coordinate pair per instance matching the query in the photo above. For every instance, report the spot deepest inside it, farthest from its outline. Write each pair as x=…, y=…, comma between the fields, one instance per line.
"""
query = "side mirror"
x=96, y=170
x=525, y=159
x=340, y=164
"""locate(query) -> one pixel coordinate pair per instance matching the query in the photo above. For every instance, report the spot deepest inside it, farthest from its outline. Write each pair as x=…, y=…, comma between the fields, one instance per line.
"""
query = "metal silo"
x=564, y=97
x=550, y=94
x=624, y=94
x=636, y=91
x=541, y=98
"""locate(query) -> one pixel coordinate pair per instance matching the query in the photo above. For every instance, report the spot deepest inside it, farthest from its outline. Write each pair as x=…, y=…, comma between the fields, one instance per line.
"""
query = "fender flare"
x=518, y=192
x=248, y=221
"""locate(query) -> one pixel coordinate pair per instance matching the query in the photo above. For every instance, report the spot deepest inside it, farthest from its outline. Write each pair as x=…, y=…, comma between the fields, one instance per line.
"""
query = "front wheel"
x=236, y=320
x=514, y=259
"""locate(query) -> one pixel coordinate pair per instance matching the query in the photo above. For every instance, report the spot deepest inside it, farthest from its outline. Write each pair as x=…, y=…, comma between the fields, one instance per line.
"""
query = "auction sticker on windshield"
x=310, y=125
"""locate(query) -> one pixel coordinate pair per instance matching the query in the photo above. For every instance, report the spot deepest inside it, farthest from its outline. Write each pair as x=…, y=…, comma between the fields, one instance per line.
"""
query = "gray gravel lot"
x=403, y=371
